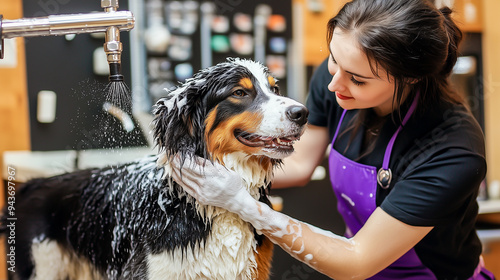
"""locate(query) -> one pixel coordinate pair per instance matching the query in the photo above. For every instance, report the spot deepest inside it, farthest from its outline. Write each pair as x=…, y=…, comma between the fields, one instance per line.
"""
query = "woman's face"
x=353, y=82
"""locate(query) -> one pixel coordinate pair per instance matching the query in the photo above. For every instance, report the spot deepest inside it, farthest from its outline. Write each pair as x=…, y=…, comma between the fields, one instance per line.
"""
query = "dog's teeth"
x=278, y=142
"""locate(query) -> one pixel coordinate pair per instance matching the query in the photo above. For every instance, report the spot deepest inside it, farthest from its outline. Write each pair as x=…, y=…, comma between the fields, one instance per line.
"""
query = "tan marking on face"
x=246, y=83
x=221, y=140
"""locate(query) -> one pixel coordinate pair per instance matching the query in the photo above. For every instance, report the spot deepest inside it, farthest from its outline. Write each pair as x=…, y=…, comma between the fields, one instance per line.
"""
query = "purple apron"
x=355, y=186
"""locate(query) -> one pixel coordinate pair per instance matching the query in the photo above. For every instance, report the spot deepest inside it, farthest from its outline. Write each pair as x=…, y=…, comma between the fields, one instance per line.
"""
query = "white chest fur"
x=229, y=252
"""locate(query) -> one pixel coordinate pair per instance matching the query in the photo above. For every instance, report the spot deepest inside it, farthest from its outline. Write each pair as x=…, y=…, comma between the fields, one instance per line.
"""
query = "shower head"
x=112, y=45
x=113, y=48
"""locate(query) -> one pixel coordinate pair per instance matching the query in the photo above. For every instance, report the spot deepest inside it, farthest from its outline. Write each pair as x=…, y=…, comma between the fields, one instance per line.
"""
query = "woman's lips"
x=340, y=96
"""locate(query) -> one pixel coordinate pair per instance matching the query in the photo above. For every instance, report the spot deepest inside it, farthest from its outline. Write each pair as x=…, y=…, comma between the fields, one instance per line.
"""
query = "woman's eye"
x=239, y=93
x=356, y=82
x=276, y=90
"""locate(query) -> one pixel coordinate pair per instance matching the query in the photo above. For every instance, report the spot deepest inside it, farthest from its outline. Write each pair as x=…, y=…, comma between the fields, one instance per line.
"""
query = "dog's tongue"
x=256, y=141
x=268, y=142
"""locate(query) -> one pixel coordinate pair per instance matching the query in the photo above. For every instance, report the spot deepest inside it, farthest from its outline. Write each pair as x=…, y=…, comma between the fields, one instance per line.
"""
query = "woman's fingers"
x=208, y=182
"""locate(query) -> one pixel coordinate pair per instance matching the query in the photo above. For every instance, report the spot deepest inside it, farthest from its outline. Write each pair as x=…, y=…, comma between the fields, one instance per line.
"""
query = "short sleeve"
x=318, y=100
x=435, y=192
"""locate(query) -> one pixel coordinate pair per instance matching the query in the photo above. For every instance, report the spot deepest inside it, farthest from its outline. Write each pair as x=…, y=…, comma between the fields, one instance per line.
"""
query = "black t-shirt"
x=438, y=163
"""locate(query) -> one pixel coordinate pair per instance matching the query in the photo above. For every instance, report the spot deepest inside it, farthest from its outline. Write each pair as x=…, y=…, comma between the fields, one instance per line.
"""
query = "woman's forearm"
x=292, y=176
x=330, y=254
x=379, y=243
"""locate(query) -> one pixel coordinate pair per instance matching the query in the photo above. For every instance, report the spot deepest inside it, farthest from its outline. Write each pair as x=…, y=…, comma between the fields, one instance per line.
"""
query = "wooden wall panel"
x=469, y=15
x=14, y=121
x=314, y=28
x=491, y=80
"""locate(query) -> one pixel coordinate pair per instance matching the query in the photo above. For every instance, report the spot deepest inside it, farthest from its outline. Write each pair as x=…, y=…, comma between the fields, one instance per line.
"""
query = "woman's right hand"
x=210, y=183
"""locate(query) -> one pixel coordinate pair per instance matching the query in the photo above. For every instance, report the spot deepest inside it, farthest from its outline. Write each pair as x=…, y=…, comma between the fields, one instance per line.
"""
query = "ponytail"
x=454, y=38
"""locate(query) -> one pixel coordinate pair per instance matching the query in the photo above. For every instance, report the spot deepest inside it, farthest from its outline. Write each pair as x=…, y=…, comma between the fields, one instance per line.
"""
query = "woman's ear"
x=413, y=81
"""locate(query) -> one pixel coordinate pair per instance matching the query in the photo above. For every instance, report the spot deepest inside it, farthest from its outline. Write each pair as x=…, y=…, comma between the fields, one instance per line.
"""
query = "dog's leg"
x=264, y=256
x=50, y=262
x=53, y=262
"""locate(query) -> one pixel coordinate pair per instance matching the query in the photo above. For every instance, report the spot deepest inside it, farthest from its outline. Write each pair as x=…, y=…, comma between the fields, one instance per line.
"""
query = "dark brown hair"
x=413, y=41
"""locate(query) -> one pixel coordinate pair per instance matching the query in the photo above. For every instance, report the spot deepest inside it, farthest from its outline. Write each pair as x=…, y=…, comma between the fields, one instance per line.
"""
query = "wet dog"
x=133, y=221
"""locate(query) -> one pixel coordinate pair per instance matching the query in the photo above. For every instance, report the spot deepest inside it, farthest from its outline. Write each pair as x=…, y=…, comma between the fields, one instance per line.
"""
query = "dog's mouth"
x=268, y=142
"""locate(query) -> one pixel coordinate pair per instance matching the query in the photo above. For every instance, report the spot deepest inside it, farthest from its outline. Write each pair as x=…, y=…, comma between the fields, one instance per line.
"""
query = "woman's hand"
x=211, y=183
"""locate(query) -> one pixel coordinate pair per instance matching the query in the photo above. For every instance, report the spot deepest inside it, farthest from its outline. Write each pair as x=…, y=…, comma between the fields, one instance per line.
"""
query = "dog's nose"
x=297, y=114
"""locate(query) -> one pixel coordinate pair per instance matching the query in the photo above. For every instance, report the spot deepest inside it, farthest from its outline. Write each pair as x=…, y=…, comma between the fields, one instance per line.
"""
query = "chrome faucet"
x=110, y=22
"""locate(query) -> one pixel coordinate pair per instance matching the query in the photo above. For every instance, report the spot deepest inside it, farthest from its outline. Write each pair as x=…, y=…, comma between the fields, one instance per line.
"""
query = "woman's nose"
x=336, y=83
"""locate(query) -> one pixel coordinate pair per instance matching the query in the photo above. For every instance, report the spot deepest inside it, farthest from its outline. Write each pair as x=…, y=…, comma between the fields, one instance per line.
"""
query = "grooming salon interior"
x=60, y=86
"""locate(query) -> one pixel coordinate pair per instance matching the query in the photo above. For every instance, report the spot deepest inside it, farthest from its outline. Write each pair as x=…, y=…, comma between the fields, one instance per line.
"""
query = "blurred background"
x=52, y=89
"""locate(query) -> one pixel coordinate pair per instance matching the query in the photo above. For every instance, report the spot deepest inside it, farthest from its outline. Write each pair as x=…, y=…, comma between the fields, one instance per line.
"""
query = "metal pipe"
x=110, y=22
x=55, y=25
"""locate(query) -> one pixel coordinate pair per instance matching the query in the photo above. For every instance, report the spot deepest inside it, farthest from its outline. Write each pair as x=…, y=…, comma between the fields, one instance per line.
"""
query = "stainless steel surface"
x=54, y=25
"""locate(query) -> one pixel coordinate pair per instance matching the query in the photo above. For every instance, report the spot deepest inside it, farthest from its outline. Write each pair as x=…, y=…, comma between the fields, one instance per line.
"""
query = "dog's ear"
x=179, y=118
x=179, y=121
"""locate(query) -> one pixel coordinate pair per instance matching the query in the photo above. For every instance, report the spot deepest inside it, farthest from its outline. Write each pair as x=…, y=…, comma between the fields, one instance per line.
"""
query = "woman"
x=407, y=157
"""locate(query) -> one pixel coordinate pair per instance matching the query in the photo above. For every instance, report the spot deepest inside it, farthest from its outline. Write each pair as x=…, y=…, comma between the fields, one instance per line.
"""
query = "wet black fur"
x=81, y=210
x=115, y=216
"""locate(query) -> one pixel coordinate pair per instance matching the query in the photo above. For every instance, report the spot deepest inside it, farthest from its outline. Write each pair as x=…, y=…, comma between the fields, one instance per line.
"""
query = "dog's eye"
x=239, y=93
x=276, y=90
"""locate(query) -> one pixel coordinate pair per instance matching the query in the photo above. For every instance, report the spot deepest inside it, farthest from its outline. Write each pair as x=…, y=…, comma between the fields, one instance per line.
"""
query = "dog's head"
x=232, y=107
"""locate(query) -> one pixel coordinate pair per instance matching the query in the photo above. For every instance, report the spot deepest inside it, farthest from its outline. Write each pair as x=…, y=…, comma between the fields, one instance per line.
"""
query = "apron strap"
x=384, y=174
x=388, y=150
x=338, y=126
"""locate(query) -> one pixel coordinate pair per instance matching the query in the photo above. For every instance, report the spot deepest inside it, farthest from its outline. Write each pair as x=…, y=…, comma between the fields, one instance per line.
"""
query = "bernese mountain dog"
x=133, y=221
